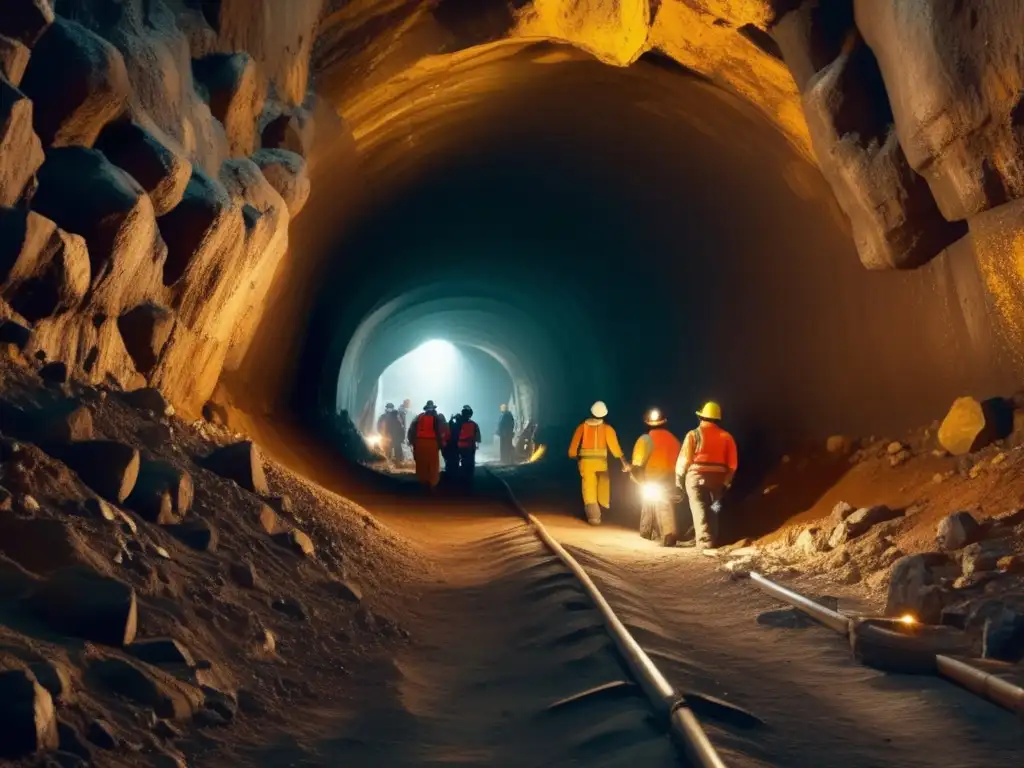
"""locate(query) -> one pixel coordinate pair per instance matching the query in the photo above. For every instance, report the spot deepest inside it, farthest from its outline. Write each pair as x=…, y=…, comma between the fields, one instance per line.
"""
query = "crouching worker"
x=590, y=445
x=428, y=434
x=654, y=463
x=705, y=468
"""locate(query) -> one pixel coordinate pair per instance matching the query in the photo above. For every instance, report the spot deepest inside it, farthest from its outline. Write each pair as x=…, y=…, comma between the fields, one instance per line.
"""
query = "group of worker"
x=456, y=440
x=703, y=465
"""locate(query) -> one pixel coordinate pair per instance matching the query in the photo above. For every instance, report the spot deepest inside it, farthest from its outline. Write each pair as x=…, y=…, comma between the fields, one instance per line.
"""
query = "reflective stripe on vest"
x=663, y=457
x=594, y=445
x=711, y=448
x=426, y=426
x=467, y=434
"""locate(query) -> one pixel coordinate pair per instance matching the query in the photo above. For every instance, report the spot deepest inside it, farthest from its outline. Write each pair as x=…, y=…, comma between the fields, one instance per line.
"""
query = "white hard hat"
x=599, y=410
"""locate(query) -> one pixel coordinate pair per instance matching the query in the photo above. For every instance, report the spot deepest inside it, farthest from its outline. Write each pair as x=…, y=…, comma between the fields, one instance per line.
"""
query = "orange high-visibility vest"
x=594, y=443
x=714, y=449
x=467, y=434
x=664, y=454
x=426, y=426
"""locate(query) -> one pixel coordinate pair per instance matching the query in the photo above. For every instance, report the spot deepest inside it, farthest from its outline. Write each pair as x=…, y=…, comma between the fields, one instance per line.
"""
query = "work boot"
x=670, y=540
x=593, y=514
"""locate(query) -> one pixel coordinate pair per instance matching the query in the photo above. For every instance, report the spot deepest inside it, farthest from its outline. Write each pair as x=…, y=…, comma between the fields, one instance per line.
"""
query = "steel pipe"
x=683, y=724
x=977, y=681
x=831, y=619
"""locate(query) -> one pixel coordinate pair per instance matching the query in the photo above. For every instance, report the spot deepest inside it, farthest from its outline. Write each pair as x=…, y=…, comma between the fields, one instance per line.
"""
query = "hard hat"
x=599, y=410
x=503, y=407
x=654, y=418
x=389, y=407
x=430, y=406
x=711, y=410
x=467, y=411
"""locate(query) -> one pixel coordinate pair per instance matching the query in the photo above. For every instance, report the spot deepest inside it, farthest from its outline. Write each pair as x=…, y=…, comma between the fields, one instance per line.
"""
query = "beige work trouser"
x=703, y=489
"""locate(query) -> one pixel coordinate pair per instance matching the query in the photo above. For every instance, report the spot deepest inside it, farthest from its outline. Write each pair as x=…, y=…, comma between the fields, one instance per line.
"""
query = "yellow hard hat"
x=599, y=410
x=654, y=418
x=711, y=410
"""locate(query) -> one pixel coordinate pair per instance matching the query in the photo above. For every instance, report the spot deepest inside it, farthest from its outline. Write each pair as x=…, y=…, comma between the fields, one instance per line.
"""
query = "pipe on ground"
x=683, y=724
x=978, y=682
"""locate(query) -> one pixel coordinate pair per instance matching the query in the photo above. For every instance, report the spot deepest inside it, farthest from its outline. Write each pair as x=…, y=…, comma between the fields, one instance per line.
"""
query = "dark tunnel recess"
x=635, y=235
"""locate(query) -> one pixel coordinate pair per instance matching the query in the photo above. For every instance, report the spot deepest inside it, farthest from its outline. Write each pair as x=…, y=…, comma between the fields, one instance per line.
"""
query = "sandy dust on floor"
x=818, y=707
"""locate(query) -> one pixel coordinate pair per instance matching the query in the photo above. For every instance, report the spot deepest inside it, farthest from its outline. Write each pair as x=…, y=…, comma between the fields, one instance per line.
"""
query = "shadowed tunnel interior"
x=630, y=234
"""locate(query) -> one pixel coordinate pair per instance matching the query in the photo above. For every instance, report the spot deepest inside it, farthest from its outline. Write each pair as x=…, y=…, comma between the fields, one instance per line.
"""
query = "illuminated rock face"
x=910, y=108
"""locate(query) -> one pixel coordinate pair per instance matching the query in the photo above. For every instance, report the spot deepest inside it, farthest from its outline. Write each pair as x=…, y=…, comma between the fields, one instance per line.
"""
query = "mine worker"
x=654, y=463
x=467, y=438
x=428, y=434
x=590, y=445
x=506, y=428
x=395, y=433
x=450, y=452
x=706, y=465
x=385, y=429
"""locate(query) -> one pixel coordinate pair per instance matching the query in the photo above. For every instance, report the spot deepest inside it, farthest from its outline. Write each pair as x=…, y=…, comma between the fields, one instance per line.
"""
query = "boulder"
x=82, y=602
x=44, y=271
x=344, y=590
x=108, y=467
x=55, y=678
x=863, y=519
x=970, y=425
x=983, y=556
x=162, y=651
x=84, y=193
x=232, y=86
x=20, y=147
x=197, y=533
x=42, y=545
x=145, y=330
x=54, y=373
x=147, y=399
x=162, y=494
x=839, y=535
x=912, y=585
x=291, y=607
x=13, y=60
x=160, y=168
x=60, y=424
x=288, y=174
x=293, y=131
x=26, y=20
x=77, y=82
x=241, y=462
x=28, y=716
x=168, y=697
x=811, y=541
x=1003, y=636
x=956, y=531
x=297, y=541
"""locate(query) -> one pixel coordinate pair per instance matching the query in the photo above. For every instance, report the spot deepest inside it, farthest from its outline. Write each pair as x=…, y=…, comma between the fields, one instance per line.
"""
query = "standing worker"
x=506, y=428
x=403, y=420
x=391, y=433
x=590, y=444
x=428, y=434
x=450, y=452
x=705, y=468
x=467, y=439
x=654, y=463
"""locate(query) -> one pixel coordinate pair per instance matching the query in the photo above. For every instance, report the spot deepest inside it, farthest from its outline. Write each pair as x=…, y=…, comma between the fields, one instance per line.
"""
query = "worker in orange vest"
x=706, y=465
x=428, y=435
x=468, y=440
x=590, y=445
x=654, y=464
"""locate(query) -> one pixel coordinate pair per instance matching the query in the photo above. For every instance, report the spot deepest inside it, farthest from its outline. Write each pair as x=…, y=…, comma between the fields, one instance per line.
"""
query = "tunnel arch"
x=637, y=196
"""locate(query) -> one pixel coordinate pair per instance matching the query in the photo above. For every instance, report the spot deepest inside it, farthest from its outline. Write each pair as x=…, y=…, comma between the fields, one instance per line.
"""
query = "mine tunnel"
x=233, y=231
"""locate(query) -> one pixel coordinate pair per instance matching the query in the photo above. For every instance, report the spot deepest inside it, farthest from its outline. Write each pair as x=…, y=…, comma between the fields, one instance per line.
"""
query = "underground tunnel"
x=634, y=235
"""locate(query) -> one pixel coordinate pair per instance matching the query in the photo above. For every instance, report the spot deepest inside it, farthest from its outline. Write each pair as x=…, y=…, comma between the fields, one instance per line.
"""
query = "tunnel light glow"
x=372, y=440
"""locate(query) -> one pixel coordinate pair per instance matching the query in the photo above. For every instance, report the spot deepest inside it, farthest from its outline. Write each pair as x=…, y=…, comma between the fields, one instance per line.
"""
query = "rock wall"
x=153, y=155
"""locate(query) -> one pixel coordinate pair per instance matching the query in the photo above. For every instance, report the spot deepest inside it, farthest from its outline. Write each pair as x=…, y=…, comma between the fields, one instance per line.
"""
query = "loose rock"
x=81, y=602
x=956, y=531
x=291, y=607
x=108, y=467
x=811, y=541
x=162, y=650
x=147, y=399
x=196, y=533
x=911, y=585
x=863, y=519
x=28, y=716
x=145, y=330
x=241, y=462
x=1003, y=636
x=169, y=698
x=297, y=541
x=162, y=493
x=970, y=425
x=982, y=556
x=269, y=521
x=894, y=448
x=344, y=590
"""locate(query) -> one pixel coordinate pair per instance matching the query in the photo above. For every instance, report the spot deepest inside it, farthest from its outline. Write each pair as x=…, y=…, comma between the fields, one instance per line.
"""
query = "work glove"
x=625, y=466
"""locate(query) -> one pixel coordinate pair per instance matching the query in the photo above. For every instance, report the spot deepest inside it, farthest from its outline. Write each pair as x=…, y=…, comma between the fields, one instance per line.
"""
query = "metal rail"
x=683, y=724
x=978, y=682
